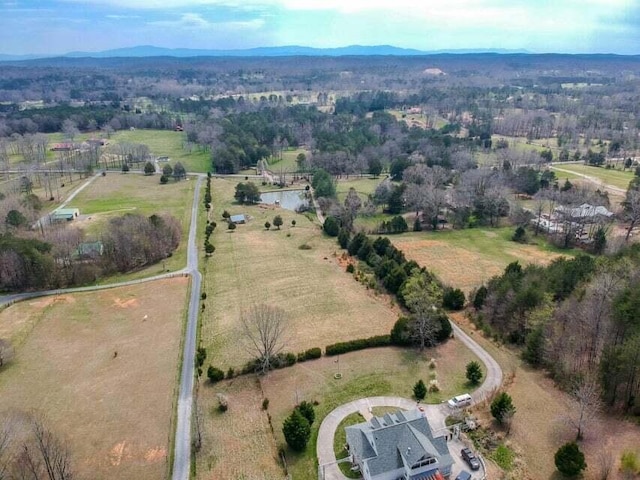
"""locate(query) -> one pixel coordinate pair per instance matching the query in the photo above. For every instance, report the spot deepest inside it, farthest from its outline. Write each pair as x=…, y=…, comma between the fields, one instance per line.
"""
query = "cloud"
x=195, y=21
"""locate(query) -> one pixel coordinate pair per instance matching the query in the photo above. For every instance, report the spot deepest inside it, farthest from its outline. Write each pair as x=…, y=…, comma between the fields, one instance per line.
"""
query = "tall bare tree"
x=587, y=395
x=264, y=328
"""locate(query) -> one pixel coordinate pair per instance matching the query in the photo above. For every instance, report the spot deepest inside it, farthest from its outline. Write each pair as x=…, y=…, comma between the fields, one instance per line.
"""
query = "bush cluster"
x=359, y=344
x=310, y=354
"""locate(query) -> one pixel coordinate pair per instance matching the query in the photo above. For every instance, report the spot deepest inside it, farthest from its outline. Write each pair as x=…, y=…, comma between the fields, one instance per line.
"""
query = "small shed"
x=65, y=214
x=90, y=249
x=238, y=219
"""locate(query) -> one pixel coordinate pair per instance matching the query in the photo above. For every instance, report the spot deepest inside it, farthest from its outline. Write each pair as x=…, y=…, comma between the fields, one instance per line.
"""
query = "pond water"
x=289, y=199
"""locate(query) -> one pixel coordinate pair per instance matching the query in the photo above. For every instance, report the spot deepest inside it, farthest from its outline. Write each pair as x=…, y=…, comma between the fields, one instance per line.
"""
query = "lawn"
x=167, y=143
x=102, y=369
x=252, y=265
x=373, y=372
x=288, y=162
x=364, y=186
x=617, y=178
x=466, y=258
x=118, y=194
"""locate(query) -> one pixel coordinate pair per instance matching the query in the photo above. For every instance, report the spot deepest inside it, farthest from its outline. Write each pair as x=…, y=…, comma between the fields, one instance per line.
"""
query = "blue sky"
x=573, y=26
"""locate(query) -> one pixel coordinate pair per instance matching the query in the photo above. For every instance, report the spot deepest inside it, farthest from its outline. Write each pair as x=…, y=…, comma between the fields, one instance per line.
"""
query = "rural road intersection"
x=182, y=443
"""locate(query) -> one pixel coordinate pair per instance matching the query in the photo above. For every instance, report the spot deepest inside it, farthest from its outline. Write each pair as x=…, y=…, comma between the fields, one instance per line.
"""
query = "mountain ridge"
x=140, y=51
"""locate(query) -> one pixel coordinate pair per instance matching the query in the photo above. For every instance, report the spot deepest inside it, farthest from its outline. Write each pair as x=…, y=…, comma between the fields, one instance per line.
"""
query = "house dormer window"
x=423, y=462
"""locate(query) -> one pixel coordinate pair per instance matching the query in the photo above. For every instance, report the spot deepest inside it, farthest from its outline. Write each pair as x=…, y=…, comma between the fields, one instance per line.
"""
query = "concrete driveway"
x=436, y=414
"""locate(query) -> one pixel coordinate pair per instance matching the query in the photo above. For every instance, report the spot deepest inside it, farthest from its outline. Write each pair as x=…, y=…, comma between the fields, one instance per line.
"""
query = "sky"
x=562, y=26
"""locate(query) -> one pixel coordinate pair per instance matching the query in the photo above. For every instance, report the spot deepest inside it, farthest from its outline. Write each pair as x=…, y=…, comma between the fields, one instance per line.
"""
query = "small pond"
x=289, y=199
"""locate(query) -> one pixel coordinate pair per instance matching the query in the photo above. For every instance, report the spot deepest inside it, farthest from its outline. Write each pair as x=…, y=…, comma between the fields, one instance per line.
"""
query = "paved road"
x=435, y=413
x=182, y=456
x=182, y=452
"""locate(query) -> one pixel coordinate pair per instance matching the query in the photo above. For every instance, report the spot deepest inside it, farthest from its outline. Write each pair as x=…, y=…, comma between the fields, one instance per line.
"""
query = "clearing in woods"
x=113, y=410
x=466, y=258
x=167, y=143
x=617, y=178
x=117, y=194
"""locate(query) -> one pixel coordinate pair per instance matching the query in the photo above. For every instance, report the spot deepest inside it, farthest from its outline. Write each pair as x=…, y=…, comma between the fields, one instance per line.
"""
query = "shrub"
x=480, y=297
x=201, y=355
x=164, y=179
x=343, y=238
x=296, y=430
x=350, y=268
x=265, y=404
x=360, y=344
x=419, y=390
x=570, y=460
x=502, y=407
x=400, y=334
x=214, y=374
x=232, y=226
x=305, y=246
x=434, y=387
x=310, y=354
x=283, y=360
x=293, y=223
x=203, y=296
x=520, y=235
x=629, y=463
x=474, y=373
x=307, y=411
x=231, y=372
x=331, y=226
x=267, y=225
x=277, y=221
x=453, y=299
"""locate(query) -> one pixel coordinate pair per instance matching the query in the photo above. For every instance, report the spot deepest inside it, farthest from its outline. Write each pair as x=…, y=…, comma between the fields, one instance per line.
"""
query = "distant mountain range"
x=285, y=51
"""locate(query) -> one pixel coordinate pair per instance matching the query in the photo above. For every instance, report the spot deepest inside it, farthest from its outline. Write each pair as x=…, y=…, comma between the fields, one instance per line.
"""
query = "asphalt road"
x=182, y=452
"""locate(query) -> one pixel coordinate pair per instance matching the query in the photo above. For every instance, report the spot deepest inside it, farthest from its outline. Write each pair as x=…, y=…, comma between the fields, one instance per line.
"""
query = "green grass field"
x=167, y=143
x=117, y=194
x=466, y=258
x=288, y=162
x=364, y=186
x=617, y=178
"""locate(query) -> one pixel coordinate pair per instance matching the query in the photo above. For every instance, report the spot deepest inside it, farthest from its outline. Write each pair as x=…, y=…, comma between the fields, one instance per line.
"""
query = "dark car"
x=464, y=475
x=469, y=457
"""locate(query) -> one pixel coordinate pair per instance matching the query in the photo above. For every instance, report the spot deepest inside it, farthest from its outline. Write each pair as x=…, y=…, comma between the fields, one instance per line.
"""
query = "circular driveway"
x=435, y=414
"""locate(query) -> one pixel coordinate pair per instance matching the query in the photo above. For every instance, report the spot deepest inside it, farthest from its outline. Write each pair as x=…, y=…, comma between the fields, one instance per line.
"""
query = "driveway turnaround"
x=436, y=414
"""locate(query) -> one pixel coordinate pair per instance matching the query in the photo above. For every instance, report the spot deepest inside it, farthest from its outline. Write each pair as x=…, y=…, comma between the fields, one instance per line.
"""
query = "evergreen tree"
x=420, y=390
x=296, y=430
x=474, y=373
x=570, y=460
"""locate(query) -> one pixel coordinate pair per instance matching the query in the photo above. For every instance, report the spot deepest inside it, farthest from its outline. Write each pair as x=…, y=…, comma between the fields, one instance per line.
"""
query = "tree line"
x=577, y=317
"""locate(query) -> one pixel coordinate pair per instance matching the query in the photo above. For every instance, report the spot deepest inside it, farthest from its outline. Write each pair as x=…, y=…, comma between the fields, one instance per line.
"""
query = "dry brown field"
x=114, y=410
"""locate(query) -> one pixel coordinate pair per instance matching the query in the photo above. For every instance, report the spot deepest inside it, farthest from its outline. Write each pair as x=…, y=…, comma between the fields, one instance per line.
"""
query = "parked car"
x=464, y=475
x=470, y=457
x=460, y=401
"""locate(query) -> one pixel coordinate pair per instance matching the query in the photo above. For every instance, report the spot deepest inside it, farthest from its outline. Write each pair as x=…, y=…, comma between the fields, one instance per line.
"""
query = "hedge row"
x=360, y=344
x=283, y=360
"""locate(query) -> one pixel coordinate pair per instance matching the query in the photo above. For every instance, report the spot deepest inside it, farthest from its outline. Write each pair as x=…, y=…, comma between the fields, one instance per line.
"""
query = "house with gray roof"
x=238, y=219
x=399, y=446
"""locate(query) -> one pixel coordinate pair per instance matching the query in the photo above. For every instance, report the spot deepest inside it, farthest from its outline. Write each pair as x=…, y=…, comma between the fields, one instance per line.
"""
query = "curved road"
x=435, y=413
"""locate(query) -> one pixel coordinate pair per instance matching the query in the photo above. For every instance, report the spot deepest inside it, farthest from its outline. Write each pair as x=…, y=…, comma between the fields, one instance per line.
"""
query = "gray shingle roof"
x=397, y=440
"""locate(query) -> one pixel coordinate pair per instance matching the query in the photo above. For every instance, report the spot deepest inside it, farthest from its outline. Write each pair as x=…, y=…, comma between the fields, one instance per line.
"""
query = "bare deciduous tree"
x=587, y=395
x=264, y=329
